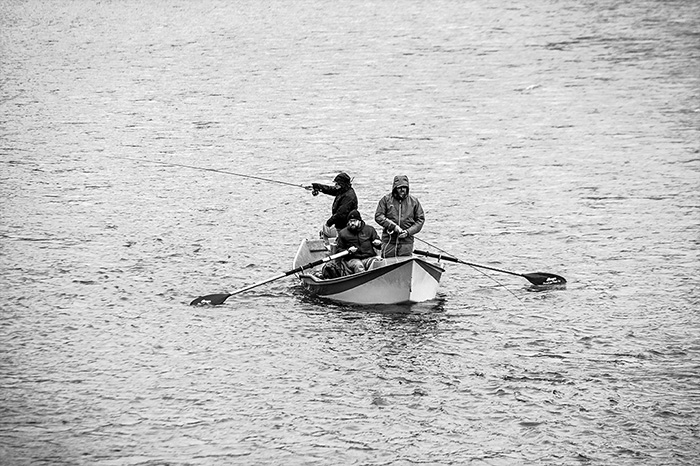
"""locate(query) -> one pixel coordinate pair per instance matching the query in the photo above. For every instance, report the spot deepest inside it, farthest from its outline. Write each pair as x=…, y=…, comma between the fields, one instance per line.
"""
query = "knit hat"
x=354, y=214
x=342, y=179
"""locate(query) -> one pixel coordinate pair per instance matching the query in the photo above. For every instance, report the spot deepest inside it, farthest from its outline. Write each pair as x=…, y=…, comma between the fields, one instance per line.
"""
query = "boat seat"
x=317, y=245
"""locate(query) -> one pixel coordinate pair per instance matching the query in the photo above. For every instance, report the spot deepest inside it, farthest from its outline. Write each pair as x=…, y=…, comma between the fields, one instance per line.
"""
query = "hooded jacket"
x=345, y=200
x=406, y=213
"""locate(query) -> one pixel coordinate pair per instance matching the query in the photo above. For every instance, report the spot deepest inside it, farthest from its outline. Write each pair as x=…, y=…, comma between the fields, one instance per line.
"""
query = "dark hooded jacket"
x=362, y=239
x=345, y=200
x=406, y=213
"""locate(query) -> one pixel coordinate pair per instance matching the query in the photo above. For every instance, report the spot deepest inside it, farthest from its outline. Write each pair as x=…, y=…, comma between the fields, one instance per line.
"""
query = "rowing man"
x=361, y=240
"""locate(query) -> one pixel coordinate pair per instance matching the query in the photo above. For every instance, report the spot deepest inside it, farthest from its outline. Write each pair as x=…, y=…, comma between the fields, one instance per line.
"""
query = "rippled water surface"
x=557, y=136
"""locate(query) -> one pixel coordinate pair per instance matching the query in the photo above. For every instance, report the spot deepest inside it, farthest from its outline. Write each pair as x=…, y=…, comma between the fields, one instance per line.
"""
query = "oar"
x=216, y=299
x=537, y=278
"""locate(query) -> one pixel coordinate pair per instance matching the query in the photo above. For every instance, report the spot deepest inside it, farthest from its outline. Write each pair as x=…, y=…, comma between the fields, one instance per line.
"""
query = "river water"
x=557, y=136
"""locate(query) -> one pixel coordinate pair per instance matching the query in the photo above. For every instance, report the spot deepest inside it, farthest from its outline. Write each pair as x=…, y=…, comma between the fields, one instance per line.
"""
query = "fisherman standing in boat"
x=401, y=217
x=345, y=201
x=360, y=239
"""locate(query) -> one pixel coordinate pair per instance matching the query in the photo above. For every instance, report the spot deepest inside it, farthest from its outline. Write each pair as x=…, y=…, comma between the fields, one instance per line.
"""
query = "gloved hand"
x=400, y=231
x=352, y=249
x=315, y=188
x=377, y=243
x=311, y=188
x=329, y=222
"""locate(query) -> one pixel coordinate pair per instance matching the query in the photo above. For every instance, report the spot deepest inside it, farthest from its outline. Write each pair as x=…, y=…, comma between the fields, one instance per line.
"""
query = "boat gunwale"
x=383, y=269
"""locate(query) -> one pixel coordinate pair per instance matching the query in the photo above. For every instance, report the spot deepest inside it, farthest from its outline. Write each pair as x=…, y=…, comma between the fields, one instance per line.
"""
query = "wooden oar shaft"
x=538, y=278
x=255, y=285
x=310, y=265
x=454, y=259
x=219, y=298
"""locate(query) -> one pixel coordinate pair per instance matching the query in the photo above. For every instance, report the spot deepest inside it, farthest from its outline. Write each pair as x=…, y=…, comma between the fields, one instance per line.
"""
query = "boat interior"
x=313, y=250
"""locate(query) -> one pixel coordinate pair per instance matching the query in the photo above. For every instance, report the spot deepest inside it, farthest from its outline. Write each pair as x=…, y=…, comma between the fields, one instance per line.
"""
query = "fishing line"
x=475, y=268
x=216, y=170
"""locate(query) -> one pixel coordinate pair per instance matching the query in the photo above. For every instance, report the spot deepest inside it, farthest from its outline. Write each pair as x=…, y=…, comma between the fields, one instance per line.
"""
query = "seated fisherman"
x=361, y=240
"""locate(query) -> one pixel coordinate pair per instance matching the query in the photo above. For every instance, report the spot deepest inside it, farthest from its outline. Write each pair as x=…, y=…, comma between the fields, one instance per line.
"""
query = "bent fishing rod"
x=260, y=178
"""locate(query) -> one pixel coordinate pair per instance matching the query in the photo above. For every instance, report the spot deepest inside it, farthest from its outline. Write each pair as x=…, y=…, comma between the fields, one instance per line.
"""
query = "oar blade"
x=212, y=299
x=544, y=279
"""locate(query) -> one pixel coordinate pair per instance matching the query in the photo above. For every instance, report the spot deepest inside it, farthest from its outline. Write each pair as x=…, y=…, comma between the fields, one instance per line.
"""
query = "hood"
x=343, y=179
x=400, y=181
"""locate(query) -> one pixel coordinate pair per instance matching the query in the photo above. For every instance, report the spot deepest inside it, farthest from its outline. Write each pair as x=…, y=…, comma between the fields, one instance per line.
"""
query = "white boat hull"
x=389, y=281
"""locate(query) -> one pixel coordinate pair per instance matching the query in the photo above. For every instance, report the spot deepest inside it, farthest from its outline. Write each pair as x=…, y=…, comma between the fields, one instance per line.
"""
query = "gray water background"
x=558, y=136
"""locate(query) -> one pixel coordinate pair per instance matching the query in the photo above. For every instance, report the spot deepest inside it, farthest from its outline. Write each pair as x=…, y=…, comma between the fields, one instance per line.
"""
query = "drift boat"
x=397, y=280
x=387, y=281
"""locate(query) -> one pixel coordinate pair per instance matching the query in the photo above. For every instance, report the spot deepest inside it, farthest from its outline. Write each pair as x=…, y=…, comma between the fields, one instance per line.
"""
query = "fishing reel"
x=311, y=188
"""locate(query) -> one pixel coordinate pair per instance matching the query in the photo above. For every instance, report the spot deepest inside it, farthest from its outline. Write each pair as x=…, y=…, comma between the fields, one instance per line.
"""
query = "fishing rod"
x=308, y=188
